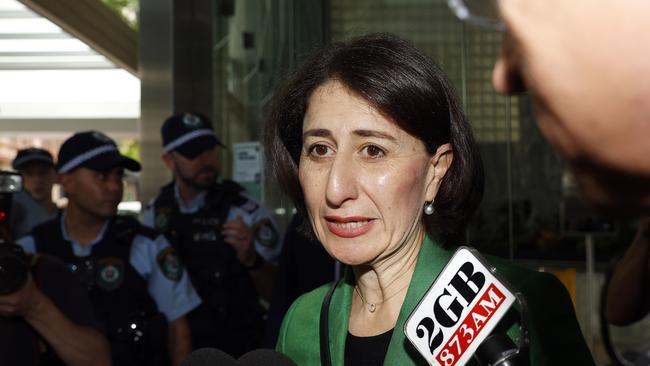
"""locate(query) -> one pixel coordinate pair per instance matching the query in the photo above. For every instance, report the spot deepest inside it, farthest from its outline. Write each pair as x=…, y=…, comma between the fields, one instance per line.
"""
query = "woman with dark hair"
x=369, y=141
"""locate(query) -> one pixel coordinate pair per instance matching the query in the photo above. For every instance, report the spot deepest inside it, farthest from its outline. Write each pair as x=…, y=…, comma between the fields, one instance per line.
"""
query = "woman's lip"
x=335, y=227
x=347, y=218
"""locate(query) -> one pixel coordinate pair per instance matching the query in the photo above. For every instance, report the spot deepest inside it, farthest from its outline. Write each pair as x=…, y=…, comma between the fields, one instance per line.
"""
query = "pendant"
x=371, y=307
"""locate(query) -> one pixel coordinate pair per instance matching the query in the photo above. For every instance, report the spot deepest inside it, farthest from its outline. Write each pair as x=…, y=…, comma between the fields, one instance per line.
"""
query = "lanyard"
x=325, y=357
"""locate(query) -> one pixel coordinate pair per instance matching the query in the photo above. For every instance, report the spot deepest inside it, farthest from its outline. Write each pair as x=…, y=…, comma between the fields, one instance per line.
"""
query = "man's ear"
x=168, y=159
x=66, y=181
x=438, y=166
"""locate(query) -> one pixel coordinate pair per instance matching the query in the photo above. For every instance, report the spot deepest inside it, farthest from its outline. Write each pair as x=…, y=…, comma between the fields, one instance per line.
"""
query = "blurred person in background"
x=628, y=294
x=34, y=205
x=304, y=265
x=139, y=289
x=229, y=242
x=37, y=168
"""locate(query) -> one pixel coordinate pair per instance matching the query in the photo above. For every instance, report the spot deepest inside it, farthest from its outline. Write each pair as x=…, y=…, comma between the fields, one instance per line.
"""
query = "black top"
x=366, y=351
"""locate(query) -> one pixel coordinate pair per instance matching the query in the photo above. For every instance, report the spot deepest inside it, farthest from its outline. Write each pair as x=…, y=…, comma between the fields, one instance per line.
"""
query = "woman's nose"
x=341, y=182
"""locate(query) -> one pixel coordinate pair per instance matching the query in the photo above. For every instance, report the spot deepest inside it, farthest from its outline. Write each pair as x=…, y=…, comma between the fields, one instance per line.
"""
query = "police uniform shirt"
x=173, y=298
x=267, y=240
x=27, y=213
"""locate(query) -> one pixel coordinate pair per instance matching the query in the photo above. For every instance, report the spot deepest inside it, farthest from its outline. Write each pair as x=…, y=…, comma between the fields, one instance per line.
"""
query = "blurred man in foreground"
x=586, y=66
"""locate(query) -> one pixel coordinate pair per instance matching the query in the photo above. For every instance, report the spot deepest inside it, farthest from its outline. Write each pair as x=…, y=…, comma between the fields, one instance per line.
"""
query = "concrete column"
x=157, y=94
x=176, y=75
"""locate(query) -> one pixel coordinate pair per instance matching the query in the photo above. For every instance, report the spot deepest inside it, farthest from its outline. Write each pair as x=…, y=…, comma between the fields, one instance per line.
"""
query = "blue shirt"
x=267, y=240
x=27, y=213
x=174, y=298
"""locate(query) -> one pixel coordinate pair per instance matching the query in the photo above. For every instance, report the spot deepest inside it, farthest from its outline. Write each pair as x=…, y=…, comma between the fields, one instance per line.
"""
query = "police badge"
x=265, y=233
x=169, y=264
x=192, y=120
x=110, y=273
x=161, y=219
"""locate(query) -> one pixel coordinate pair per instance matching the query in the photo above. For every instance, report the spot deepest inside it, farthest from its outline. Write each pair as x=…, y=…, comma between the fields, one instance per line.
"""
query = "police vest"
x=230, y=316
x=21, y=344
x=136, y=330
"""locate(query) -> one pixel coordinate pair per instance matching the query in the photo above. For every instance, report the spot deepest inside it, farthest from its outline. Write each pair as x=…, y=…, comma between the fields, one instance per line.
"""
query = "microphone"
x=500, y=350
x=209, y=357
x=454, y=320
x=265, y=357
x=215, y=357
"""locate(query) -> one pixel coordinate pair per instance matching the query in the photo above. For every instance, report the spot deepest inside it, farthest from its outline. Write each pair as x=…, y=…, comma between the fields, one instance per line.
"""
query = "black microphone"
x=258, y=357
x=499, y=350
x=265, y=357
x=209, y=357
x=455, y=319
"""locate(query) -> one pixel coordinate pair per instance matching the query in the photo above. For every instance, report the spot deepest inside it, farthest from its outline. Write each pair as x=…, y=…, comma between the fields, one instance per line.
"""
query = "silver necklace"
x=372, y=306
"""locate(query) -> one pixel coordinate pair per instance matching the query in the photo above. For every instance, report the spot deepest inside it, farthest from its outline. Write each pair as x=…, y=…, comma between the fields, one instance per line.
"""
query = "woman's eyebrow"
x=322, y=132
x=317, y=132
x=373, y=133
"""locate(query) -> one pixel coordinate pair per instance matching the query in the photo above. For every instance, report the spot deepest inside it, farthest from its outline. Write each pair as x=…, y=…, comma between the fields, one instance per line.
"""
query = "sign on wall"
x=248, y=168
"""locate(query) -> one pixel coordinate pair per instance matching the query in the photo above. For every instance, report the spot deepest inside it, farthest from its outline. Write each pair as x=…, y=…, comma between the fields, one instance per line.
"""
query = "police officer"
x=37, y=168
x=139, y=290
x=227, y=240
x=34, y=205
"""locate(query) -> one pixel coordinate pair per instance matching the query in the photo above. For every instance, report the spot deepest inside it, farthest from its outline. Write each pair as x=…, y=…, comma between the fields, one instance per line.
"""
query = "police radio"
x=13, y=263
x=454, y=321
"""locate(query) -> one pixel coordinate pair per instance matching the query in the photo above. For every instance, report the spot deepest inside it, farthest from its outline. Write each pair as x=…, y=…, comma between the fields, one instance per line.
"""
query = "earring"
x=428, y=208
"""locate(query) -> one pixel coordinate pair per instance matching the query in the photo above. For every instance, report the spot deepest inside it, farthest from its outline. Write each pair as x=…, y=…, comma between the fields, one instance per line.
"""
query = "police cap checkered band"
x=26, y=156
x=189, y=134
x=93, y=150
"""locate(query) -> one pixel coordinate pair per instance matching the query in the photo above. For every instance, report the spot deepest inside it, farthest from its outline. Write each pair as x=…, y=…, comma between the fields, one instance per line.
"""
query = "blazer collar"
x=431, y=260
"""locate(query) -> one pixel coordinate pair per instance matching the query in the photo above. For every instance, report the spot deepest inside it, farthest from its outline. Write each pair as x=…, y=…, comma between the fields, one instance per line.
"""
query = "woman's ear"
x=438, y=166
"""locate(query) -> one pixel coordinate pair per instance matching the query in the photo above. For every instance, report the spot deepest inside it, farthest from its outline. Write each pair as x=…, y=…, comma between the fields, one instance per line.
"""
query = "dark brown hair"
x=402, y=83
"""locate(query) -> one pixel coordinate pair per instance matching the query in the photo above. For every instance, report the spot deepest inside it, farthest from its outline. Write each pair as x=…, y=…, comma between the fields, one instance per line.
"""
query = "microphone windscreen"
x=266, y=357
x=209, y=357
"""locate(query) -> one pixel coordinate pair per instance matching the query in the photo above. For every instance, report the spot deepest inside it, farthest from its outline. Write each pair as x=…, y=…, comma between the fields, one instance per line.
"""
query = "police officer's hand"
x=241, y=237
x=21, y=302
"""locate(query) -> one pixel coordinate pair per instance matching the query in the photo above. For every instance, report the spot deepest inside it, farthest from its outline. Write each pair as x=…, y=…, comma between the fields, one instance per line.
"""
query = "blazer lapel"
x=338, y=320
x=431, y=260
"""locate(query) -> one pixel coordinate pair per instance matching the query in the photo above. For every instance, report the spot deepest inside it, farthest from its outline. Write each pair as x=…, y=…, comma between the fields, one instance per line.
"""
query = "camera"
x=13, y=262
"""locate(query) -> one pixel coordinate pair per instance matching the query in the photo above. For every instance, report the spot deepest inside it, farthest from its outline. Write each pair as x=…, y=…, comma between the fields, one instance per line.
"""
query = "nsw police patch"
x=169, y=264
x=161, y=219
x=192, y=121
x=265, y=233
x=110, y=273
x=250, y=206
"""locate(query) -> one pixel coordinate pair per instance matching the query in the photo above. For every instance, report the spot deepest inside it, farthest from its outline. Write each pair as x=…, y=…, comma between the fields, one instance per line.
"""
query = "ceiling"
x=31, y=42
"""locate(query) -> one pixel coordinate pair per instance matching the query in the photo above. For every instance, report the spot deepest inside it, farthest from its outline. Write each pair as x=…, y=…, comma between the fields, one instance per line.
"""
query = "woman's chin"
x=351, y=256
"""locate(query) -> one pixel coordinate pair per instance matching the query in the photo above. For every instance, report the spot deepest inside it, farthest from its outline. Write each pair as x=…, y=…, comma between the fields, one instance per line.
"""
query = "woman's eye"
x=319, y=151
x=373, y=151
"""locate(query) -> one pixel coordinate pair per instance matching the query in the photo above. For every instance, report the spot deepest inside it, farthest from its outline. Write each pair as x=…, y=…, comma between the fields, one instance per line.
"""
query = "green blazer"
x=554, y=332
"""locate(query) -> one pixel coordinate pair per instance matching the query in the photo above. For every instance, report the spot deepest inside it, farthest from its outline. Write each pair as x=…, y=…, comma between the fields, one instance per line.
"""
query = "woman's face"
x=364, y=179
